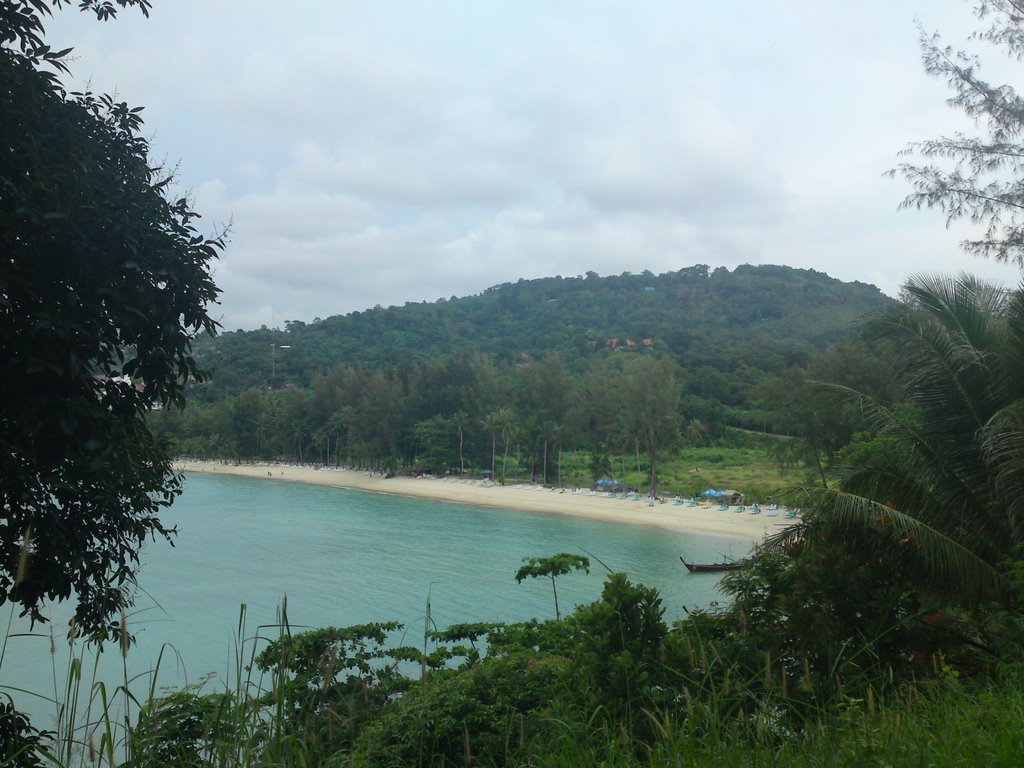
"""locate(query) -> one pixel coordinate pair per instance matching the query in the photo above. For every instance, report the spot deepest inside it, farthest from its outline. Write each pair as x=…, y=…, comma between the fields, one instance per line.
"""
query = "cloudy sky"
x=385, y=152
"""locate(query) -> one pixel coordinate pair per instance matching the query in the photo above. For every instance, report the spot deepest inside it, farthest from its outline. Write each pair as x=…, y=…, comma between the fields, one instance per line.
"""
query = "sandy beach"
x=704, y=518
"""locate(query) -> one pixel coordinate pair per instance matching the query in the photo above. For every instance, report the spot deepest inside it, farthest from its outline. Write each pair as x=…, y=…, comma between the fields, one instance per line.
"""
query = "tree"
x=977, y=178
x=492, y=425
x=104, y=284
x=544, y=392
x=460, y=421
x=553, y=567
x=944, y=479
x=378, y=422
x=651, y=409
x=809, y=418
x=509, y=425
x=598, y=408
x=696, y=432
x=434, y=444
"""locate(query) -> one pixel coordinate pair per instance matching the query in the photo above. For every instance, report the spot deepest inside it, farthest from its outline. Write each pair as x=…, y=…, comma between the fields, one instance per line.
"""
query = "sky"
x=385, y=152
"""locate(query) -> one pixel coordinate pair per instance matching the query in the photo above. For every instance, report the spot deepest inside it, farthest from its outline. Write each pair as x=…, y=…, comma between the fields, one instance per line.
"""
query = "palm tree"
x=460, y=420
x=558, y=435
x=696, y=432
x=507, y=420
x=546, y=433
x=945, y=472
x=336, y=425
x=298, y=437
x=319, y=438
x=262, y=431
x=492, y=426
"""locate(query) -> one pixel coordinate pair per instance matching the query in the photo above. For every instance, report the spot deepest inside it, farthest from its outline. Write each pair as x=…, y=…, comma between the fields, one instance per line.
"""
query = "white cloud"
x=401, y=151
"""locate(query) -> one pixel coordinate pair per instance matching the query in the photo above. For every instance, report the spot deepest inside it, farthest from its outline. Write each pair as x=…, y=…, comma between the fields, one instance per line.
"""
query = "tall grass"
x=945, y=723
x=715, y=710
x=135, y=721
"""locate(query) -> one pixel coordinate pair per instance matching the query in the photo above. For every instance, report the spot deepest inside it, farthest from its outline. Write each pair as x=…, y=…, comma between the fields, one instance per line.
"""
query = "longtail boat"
x=711, y=567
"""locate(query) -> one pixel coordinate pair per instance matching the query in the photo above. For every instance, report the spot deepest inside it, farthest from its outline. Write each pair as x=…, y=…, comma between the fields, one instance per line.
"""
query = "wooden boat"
x=711, y=567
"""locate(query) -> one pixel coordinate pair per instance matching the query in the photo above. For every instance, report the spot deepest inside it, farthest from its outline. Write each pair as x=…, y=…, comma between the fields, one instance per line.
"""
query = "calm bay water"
x=347, y=557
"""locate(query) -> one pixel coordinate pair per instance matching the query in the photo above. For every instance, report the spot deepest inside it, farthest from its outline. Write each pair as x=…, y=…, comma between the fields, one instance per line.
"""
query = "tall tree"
x=977, y=177
x=598, y=408
x=650, y=409
x=459, y=422
x=104, y=283
x=434, y=449
x=379, y=421
x=509, y=425
x=545, y=390
x=492, y=426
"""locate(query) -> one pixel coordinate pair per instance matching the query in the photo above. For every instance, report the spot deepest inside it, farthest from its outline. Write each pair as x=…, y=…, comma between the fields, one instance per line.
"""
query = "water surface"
x=349, y=557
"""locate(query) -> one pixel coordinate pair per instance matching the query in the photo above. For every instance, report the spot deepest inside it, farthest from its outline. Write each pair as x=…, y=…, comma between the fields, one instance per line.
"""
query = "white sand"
x=707, y=518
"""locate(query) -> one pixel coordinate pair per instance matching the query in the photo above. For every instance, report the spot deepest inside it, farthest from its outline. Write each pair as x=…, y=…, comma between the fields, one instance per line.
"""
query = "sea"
x=246, y=548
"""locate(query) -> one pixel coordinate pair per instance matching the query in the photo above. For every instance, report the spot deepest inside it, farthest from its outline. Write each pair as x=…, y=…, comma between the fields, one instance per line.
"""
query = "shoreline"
x=705, y=518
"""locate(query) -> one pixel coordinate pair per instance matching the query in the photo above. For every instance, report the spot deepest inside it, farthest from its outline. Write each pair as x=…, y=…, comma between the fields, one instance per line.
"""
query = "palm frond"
x=948, y=340
x=945, y=565
x=1003, y=449
x=942, y=481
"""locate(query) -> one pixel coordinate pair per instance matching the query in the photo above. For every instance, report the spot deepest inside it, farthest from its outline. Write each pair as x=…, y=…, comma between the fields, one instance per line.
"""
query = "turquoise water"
x=347, y=557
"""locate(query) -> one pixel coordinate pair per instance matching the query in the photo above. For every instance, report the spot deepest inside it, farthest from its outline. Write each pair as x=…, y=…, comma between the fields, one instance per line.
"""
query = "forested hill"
x=764, y=317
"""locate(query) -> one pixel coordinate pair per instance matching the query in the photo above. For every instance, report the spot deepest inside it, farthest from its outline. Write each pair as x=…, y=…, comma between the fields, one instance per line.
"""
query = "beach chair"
x=740, y=510
x=755, y=511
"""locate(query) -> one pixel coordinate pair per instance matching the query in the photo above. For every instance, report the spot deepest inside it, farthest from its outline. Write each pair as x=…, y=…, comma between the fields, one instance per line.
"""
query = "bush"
x=476, y=714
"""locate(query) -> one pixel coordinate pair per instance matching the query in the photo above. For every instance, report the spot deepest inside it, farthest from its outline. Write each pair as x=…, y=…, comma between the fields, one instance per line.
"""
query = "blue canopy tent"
x=711, y=492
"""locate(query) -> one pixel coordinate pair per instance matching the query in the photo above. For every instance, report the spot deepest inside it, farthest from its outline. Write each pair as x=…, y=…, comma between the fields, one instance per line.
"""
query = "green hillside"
x=763, y=317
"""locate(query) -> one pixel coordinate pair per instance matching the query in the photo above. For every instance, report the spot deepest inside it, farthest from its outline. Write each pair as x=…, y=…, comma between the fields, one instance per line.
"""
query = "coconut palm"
x=492, y=426
x=509, y=424
x=460, y=421
x=944, y=475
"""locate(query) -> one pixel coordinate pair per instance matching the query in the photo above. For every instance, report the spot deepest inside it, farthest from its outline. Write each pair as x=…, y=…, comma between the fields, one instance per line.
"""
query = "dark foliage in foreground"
x=104, y=283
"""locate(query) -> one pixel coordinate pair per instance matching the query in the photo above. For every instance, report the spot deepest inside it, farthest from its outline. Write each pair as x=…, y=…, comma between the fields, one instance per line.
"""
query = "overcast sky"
x=384, y=152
